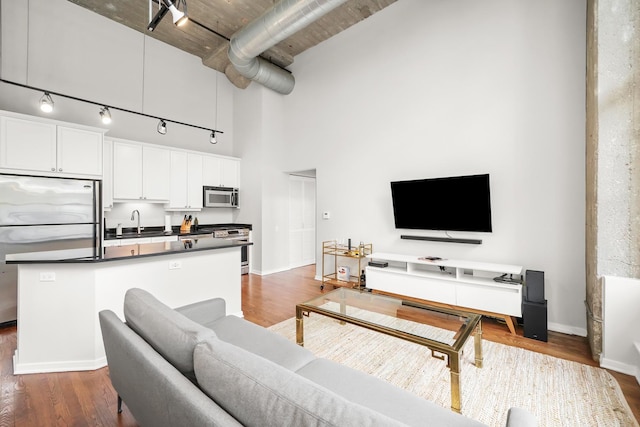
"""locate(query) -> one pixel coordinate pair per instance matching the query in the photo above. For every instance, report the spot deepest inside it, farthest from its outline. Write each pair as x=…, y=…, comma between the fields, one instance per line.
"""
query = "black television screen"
x=460, y=203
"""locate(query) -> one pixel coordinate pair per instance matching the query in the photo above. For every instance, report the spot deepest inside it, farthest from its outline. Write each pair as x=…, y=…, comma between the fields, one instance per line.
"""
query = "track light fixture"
x=179, y=17
x=105, y=115
x=46, y=103
x=162, y=127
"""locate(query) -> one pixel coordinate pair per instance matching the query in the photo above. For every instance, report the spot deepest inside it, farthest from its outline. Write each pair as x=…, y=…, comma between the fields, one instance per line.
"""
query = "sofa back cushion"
x=170, y=333
x=256, y=391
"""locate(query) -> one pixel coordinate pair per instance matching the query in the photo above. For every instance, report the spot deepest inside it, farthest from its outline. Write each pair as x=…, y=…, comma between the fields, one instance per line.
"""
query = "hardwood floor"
x=87, y=398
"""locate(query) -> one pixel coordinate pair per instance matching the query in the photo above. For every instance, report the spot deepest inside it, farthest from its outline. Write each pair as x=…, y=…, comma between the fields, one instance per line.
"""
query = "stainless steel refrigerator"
x=43, y=214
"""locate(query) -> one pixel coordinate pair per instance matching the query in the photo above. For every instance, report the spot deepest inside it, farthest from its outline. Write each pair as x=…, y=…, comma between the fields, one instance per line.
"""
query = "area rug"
x=557, y=391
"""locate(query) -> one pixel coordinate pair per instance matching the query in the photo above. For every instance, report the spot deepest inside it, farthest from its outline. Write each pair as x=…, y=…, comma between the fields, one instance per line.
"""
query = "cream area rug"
x=559, y=392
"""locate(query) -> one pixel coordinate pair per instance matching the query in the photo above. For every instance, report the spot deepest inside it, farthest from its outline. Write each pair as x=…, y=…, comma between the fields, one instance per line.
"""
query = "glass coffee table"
x=444, y=331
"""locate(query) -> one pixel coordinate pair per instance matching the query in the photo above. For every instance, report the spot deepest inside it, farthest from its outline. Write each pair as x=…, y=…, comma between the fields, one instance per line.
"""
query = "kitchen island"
x=61, y=292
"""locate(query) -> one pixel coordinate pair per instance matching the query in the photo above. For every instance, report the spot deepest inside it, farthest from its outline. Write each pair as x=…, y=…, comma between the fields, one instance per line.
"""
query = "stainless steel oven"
x=241, y=234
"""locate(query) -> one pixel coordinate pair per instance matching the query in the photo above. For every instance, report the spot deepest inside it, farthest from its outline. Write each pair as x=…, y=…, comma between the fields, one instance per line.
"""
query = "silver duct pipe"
x=276, y=24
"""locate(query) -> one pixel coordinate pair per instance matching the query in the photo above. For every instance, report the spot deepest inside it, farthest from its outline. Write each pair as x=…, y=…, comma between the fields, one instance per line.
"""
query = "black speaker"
x=534, y=286
x=534, y=315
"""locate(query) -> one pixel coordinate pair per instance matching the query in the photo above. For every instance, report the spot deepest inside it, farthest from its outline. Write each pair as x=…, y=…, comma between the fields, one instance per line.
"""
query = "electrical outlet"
x=47, y=276
x=174, y=265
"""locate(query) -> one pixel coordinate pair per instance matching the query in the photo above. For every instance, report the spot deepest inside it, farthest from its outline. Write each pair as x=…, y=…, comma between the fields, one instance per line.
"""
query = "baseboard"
x=566, y=329
x=623, y=368
x=267, y=272
x=66, y=366
x=637, y=349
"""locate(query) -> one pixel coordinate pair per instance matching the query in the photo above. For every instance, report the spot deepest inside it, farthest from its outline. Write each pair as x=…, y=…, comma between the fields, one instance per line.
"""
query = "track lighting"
x=179, y=18
x=162, y=127
x=46, y=103
x=105, y=115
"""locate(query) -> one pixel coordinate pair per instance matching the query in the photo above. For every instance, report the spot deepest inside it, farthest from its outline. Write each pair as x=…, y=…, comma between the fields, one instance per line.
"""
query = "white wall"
x=61, y=47
x=429, y=89
x=620, y=335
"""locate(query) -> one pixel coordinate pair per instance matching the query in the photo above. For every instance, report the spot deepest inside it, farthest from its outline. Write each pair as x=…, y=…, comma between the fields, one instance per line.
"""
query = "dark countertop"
x=126, y=252
x=131, y=232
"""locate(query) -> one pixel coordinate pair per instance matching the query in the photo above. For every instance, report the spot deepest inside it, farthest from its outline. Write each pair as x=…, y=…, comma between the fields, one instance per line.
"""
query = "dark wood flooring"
x=87, y=398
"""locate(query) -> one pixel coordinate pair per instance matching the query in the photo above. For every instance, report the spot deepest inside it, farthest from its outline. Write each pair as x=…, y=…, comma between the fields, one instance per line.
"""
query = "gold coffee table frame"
x=374, y=303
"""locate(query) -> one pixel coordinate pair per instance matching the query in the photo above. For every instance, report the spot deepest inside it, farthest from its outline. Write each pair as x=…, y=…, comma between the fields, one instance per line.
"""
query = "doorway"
x=302, y=219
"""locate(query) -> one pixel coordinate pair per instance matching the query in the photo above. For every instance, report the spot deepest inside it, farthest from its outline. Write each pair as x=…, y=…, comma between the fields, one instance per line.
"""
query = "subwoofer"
x=534, y=315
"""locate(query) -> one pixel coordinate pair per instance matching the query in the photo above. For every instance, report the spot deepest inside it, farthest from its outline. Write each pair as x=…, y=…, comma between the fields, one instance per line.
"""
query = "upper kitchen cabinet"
x=141, y=172
x=46, y=148
x=79, y=151
x=186, y=181
x=221, y=172
x=107, y=175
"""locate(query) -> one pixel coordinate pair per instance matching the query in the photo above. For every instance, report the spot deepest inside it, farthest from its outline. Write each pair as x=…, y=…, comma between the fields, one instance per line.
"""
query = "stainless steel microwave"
x=220, y=197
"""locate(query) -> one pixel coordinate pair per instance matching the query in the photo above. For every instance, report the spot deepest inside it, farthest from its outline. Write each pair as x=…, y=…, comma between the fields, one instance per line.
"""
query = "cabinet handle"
x=60, y=170
x=53, y=169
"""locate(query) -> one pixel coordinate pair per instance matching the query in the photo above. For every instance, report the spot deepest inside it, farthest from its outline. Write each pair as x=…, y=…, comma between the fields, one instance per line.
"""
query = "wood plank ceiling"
x=213, y=22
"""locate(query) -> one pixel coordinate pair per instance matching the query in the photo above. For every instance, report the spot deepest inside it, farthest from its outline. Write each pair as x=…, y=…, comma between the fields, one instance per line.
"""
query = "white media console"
x=448, y=282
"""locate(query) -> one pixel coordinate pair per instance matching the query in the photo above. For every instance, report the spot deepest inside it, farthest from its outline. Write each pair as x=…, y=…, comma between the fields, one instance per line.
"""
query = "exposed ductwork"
x=276, y=24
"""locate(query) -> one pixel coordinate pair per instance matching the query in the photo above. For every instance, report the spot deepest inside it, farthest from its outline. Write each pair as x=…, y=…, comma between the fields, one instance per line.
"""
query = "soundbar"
x=442, y=239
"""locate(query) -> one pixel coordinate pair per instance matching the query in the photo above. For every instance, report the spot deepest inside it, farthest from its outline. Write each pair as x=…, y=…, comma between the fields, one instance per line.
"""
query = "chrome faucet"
x=133, y=214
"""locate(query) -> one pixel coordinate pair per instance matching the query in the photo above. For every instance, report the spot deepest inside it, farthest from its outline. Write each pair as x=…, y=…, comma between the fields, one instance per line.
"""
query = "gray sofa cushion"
x=261, y=341
x=371, y=392
x=170, y=333
x=258, y=392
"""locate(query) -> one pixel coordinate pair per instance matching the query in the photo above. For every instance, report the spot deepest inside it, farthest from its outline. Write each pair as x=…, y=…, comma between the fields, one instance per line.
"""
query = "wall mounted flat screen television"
x=459, y=203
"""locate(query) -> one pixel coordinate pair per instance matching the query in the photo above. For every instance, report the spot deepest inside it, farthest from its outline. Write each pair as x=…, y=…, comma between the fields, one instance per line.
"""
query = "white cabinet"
x=107, y=175
x=220, y=172
x=138, y=241
x=140, y=172
x=156, y=164
x=466, y=284
x=186, y=181
x=79, y=151
x=50, y=149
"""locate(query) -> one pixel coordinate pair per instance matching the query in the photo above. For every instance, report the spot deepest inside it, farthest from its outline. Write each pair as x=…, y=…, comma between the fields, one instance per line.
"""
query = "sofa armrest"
x=518, y=417
x=204, y=312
